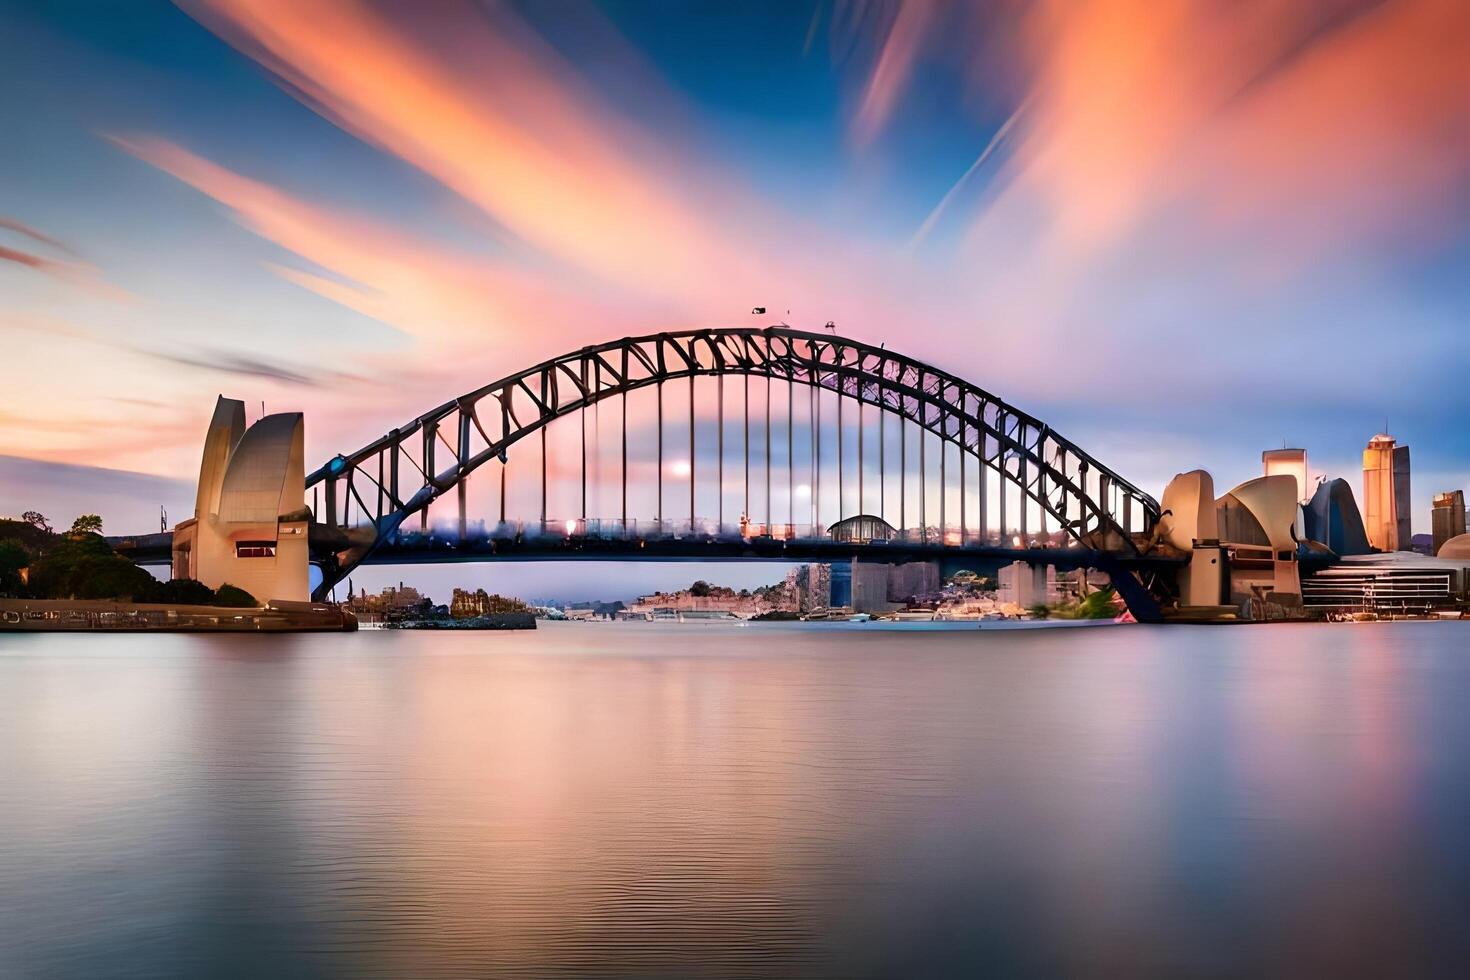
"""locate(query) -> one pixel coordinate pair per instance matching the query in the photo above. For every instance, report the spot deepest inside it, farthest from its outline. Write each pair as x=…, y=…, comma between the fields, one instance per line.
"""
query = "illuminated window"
x=255, y=549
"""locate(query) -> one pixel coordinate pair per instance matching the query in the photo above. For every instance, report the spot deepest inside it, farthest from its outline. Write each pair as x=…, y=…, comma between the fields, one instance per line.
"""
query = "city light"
x=571, y=527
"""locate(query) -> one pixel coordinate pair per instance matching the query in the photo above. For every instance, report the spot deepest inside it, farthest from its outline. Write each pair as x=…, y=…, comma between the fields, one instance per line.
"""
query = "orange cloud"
x=472, y=319
x=495, y=115
x=437, y=296
x=1321, y=121
x=1366, y=134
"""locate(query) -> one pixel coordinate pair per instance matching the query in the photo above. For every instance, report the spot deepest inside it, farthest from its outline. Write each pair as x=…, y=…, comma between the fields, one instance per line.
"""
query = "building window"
x=255, y=549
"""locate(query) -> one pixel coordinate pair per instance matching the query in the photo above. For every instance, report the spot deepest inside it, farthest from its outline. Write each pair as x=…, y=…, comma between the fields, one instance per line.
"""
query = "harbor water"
x=711, y=800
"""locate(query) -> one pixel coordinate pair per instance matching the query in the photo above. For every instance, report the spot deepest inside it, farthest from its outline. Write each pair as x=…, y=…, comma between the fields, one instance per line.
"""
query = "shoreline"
x=111, y=616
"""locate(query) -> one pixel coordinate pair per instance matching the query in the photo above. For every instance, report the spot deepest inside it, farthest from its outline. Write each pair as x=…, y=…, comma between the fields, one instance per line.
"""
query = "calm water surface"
x=700, y=800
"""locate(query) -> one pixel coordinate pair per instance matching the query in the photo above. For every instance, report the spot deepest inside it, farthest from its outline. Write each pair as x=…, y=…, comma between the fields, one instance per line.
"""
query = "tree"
x=700, y=588
x=86, y=567
x=235, y=598
x=86, y=524
x=13, y=558
x=36, y=520
x=1101, y=604
x=184, y=592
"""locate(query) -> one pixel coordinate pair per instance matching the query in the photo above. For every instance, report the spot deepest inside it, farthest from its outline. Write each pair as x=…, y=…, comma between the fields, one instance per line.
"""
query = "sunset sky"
x=1180, y=232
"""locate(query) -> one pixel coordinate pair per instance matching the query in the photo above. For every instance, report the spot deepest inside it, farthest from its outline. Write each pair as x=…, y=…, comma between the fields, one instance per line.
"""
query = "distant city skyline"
x=1179, y=240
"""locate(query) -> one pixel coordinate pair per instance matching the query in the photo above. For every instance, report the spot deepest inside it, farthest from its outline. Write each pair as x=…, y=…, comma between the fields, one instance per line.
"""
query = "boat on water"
x=914, y=615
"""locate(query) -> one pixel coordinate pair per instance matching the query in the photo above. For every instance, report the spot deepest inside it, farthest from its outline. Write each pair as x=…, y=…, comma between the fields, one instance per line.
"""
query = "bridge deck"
x=154, y=549
x=555, y=548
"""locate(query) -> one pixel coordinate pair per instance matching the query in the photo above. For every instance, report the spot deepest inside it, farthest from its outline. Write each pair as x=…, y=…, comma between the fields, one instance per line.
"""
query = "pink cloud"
x=894, y=67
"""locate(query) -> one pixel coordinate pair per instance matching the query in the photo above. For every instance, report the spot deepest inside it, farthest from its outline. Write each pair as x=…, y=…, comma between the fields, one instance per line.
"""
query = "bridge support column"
x=1140, y=602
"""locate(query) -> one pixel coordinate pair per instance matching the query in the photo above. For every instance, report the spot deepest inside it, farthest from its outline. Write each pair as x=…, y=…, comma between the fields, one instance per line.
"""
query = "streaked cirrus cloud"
x=479, y=102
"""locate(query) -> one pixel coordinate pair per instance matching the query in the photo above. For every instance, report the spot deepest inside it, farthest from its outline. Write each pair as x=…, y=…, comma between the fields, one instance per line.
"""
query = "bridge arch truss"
x=411, y=467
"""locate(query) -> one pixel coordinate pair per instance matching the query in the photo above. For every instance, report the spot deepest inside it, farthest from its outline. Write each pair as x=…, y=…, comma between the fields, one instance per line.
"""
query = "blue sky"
x=1203, y=230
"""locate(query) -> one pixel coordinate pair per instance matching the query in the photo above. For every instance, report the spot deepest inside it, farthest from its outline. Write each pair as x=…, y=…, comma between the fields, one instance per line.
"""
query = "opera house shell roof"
x=1261, y=512
x=1334, y=520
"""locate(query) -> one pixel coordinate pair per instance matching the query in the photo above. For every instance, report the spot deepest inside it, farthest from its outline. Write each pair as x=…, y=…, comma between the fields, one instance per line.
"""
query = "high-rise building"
x=1386, y=495
x=1449, y=517
x=1288, y=462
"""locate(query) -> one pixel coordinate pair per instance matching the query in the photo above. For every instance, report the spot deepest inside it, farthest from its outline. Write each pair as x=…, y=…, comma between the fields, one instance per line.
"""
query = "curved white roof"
x=255, y=481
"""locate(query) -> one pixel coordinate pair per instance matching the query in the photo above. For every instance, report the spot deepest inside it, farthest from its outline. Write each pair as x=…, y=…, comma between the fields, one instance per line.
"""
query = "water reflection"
x=663, y=800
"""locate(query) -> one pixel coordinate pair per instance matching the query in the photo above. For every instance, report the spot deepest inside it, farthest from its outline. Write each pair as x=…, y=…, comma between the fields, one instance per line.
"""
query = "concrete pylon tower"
x=249, y=527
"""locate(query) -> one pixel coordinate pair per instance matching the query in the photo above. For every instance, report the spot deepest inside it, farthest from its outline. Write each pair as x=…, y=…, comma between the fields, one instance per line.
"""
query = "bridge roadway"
x=421, y=549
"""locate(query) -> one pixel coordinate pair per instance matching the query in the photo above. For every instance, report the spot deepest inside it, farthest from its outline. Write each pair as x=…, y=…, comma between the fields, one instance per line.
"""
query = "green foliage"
x=36, y=520
x=13, y=557
x=82, y=565
x=1098, y=605
x=86, y=567
x=183, y=592
x=1040, y=611
x=236, y=598
x=33, y=539
x=86, y=524
x=700, y=588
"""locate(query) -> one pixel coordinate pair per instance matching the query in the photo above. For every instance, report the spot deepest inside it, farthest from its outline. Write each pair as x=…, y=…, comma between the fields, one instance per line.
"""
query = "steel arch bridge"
x=1060, y=498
